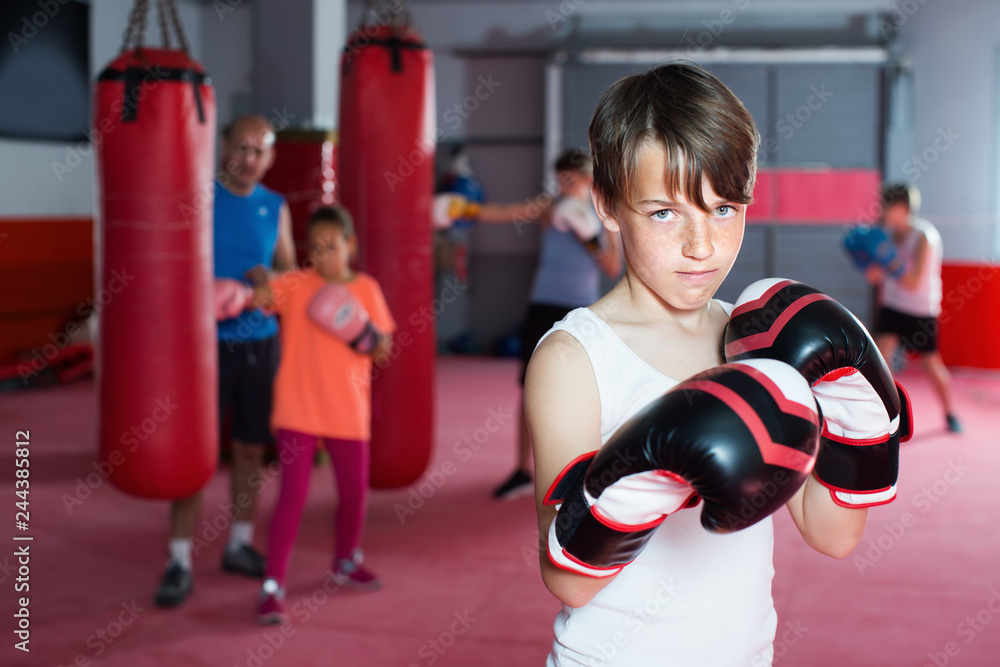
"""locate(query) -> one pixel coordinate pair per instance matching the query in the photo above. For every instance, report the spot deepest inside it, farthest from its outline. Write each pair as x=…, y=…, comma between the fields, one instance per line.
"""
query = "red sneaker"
x=350, y=573
x=271, y=606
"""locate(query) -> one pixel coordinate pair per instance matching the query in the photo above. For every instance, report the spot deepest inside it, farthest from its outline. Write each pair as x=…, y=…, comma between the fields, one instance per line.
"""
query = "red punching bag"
x=386, y=177
x=157, y=373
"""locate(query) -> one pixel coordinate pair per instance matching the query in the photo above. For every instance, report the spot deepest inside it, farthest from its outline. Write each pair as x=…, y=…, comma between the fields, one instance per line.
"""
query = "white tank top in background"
x=925, y=299
x=691, y=598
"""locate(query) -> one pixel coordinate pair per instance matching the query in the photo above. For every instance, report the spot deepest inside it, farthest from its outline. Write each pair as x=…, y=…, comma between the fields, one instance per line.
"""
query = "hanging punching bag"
x=154, y=115
x=386, y=173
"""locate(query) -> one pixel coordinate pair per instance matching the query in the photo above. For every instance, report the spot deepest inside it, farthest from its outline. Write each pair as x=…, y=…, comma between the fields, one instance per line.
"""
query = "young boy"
x=675, y=160
x=911, y=303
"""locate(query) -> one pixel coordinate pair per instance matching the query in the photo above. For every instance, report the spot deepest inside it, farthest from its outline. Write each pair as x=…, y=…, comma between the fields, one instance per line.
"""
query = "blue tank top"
x=567, y=275
x=246, y=233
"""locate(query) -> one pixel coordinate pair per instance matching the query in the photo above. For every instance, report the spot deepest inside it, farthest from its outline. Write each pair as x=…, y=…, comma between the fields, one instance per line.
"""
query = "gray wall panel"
x=828, y=115
x=814, y=255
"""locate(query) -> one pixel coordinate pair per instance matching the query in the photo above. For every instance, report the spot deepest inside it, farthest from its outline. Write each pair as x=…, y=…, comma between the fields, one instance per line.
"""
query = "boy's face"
x=248, y=153
x=330, y=251
x=896, y=218
x=678, y=250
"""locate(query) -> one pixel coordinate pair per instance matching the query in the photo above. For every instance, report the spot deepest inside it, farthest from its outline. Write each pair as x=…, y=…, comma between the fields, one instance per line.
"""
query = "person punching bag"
x=386, y=159
x=154, y=125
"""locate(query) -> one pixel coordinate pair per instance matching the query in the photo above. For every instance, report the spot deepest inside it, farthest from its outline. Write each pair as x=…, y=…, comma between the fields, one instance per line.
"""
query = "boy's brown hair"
x=576, y=161
x=901, y=193
x=704, y=129
x=333, y=215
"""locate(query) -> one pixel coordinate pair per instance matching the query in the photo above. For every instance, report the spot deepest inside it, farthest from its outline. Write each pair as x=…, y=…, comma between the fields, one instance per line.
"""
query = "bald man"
x=252, y=228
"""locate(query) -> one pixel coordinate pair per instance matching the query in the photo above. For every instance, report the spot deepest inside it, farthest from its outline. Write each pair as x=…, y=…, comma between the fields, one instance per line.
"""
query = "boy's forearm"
x=570, y=588
x=826, y=526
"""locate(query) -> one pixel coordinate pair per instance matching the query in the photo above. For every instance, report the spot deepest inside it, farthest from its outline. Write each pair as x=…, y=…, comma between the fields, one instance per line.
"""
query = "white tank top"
x=925, y=299
x=691, y=597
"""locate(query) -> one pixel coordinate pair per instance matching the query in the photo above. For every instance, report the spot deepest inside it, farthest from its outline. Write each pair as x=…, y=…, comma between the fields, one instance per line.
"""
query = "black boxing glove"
x=735, y=432
x=865, y=413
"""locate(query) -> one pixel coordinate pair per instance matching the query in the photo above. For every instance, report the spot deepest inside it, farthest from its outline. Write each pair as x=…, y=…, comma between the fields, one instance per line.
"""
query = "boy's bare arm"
x=537, y=208
x=563, y=410
x=911, y=279
x=826, y=526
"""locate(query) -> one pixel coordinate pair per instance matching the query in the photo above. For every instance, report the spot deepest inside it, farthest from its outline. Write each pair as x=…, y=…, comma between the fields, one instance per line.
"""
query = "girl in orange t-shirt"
x=323, y=392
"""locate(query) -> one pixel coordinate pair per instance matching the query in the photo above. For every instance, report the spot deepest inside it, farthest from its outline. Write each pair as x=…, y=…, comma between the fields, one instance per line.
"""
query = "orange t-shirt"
x=323, y=387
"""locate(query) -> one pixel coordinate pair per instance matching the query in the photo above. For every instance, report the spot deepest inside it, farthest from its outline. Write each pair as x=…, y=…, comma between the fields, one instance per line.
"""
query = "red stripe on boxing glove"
x=742, y=436
x=866, y=414
x=335, y=310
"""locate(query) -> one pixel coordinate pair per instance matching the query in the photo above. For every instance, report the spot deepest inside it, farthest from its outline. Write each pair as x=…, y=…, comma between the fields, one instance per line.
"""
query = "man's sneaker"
x=954, y=426
x=271, y=604
x=350, y=573
x=244, y=560
x=175, y=585
x=518, y=484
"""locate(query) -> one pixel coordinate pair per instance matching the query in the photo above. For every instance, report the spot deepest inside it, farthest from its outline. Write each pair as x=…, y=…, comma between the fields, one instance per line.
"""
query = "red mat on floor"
x=461, y=580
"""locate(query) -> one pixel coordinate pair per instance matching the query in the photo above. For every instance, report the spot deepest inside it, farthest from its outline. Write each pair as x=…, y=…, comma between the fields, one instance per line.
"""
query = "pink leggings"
x=351, y=459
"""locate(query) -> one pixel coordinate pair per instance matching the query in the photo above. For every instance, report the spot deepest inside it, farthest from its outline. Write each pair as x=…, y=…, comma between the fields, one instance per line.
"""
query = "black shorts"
x=246, y=384
x=541, y=317
x=916, y=334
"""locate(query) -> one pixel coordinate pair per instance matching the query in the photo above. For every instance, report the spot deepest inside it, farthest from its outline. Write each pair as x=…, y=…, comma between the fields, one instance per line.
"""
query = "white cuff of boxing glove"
x=860, y=500
x=561, y=559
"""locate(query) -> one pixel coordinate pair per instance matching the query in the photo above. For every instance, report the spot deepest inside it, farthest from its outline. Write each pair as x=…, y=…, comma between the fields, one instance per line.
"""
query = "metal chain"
x=178, y=27
x=136, y=28
x=161, y=14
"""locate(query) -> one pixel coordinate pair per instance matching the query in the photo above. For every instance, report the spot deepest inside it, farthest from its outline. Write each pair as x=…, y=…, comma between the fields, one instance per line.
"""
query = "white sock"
x=241, y=533
x=180, y=552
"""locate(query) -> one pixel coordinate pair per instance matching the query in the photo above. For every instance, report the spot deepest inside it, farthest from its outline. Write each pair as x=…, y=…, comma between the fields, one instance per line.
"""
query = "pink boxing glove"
x=231, y=298
x=337, y=312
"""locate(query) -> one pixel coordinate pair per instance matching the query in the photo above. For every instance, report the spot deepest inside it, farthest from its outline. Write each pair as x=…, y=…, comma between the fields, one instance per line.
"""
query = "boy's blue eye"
x=726, y=210
x=662, y=214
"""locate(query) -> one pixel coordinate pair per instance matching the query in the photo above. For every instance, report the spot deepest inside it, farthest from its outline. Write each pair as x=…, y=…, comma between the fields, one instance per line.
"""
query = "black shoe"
x=954, y=426
x=174, y=587
x=516, y=485
x=244, y=560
